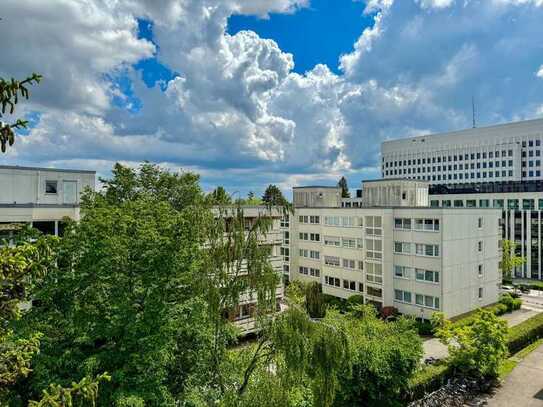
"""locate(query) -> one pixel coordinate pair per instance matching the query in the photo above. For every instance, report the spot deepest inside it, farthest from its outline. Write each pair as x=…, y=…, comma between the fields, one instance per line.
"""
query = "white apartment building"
x=498, y=166
x=397, y=251
x=41, y=197
x=506, y=152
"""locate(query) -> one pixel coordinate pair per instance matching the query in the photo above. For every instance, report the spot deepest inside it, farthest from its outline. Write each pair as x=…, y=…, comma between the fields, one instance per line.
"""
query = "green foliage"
x=10, y=90
x=344, y=188
x=427, y=379
x=510, y=303
x=525, y=333
x=219, y=196
x=510, y=260
x=383, y=357
x=58, y=396
x=424, y=327
x=274, y=196
x=477, y=349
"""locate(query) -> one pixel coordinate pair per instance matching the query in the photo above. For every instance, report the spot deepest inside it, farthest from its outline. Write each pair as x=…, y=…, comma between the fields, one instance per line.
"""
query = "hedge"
x=428, y=379
x=525, y=333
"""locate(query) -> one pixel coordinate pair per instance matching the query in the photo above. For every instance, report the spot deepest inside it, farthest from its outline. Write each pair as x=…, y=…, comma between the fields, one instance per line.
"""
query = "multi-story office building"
x=507, y=152
x=497, y=166
x=395, y=250
x=41, y=197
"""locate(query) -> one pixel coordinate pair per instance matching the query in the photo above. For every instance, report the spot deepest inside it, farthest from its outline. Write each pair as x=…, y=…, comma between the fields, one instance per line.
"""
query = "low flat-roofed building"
x=41, y=197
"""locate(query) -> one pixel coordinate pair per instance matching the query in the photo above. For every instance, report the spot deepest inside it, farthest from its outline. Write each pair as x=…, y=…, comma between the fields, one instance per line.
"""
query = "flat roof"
x=486, y=130
x=18, y=167
x=317, y=186
x=364, y=181
x=390, y=207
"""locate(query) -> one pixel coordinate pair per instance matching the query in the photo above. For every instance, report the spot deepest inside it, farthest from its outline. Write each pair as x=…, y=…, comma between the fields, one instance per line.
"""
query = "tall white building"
x=497, y=166
x=41, y=197
x=395, y=250
x=506, y=152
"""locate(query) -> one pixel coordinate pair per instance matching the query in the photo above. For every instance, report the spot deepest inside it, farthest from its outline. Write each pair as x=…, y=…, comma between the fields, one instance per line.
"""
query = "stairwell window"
x=51, y=187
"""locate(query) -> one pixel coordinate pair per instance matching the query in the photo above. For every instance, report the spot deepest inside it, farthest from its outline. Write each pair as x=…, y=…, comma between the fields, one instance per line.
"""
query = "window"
x=304, y=253
x=427, y=224
x=471, y=203
x=314, y=220
x=528, y=204
x=361, y=287
x=50, y=187
x=484, y=203
x=303, y=270
x=348, y=263
x=422, y=249
x=402, y=247
x=374, y=273
x=458, y=203
x=402, y=223
x=401, y=272
x=332, y=281
x=360, y=265
x=480, y=223
x=315, y=237
x=374, y=292
x=303, y=236
x=314, y=272
x=480, y=293
x=349, y=285
x=331, y=261
x=427, y=301
x=315, y=255
x=374, y=249
x=303, y=219
x=480, y=270
x=332, y=241
x=512, y=204
x=480, y=246
x=349, y=243
x=427, y=276
x=402, y=296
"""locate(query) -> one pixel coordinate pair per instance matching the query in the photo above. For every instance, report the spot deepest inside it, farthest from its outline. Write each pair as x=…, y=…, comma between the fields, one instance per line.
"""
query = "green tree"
x=477, y=349
x=219, y=196
x=344, y=188
x=510, y=260
x=383, y=356
x=274, y=196
x=123, y=297
x=10, y=91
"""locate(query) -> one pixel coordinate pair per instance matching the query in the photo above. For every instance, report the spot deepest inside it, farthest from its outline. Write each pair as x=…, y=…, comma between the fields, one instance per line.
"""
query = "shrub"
x=517, y=303
x=500, y=309
x=525, y=333
x=427, y=379
x=507, y=300
x=424, y=327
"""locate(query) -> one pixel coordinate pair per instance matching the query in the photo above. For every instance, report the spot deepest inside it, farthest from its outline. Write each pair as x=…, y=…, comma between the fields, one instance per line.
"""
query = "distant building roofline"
x=317, y=186
x=17, y=167
x=470, y=129
x=393, y=179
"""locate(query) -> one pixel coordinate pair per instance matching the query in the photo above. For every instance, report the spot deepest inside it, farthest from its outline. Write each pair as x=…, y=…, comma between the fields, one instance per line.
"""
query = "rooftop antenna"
x=473, y=110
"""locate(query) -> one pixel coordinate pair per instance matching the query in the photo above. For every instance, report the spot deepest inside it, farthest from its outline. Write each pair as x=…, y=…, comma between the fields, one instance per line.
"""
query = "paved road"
x=433, y=348
x=524, y=385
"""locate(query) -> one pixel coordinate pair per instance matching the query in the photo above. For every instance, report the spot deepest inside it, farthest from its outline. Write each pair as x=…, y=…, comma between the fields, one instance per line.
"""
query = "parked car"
x=508, y=289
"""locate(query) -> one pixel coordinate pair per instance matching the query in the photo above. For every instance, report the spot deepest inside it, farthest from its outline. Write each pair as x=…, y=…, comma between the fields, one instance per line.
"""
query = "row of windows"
x=343, y=221
x=314, y=237
x=311, y=254
x=335, y=261
x=421, y=249
x=310, y=271
x=416, y=224
x=427, y=301
x=314, y=220
x=420, y=274
x=528, y=204
x=374, y=273
x=456, y=167
x=461, y=176
x=450, y=158
x=345, y=242
x=347, y=284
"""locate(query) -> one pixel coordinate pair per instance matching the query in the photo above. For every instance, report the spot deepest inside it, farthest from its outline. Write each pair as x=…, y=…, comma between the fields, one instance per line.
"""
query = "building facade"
x=395, y=250
x=41, y=197
x=497, y=166
x=507, y=152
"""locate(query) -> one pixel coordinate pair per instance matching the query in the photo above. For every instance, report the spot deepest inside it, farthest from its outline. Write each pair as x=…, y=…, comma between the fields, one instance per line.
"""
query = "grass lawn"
x=510, y=363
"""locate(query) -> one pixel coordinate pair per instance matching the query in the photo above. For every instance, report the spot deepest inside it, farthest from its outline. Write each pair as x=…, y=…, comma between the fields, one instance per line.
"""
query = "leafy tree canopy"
x=274, y=196
x=344, y=188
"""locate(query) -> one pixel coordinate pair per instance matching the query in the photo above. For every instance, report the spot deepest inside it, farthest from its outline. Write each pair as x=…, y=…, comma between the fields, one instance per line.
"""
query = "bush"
x=424, y=327
x=517, y=303
x=507, y=300
x=525, y=333
x=500, y=309
x=427, y=379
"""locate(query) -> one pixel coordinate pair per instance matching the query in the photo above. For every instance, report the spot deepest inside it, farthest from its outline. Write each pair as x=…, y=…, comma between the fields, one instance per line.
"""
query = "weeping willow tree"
x=10, y=92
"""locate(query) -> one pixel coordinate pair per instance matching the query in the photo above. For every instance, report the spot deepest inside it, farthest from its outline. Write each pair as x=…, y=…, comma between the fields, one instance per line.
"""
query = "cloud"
x=235, y=110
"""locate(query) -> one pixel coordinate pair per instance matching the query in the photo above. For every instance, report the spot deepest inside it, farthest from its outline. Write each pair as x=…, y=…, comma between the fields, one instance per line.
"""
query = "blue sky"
x=318, y=34
x=252, y=92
